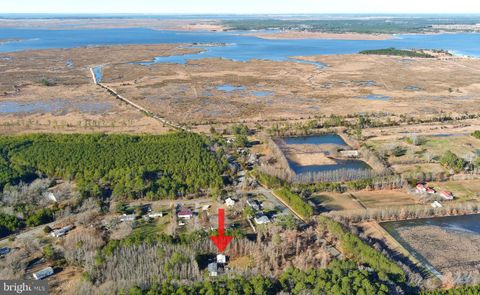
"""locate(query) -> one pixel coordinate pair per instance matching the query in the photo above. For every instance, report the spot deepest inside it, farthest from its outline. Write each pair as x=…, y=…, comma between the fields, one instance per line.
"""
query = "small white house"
x=262, y=219
x=436, y=204
x=230, y=202
x=44, y=273
x=205, y=207
x=61, y=232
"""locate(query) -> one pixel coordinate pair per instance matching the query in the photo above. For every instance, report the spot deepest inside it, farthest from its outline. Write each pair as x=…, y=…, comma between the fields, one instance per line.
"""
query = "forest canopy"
x=162, y=166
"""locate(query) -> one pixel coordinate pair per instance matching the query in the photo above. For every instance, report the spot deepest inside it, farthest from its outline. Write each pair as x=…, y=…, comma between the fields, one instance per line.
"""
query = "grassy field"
x=459, y=145
x=335, y=202
x=378, y=199
x=414, y=158
x=418, y=168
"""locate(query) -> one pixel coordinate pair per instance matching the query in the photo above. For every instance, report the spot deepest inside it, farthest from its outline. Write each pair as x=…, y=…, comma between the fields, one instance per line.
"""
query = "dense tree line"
x=397, y=52
x=127, y=166
x=8, y=224
x=295, y=202
x=340, y=277
x=360, y=252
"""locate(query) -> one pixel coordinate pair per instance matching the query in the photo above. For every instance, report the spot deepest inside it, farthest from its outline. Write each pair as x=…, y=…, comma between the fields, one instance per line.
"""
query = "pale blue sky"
x=239, y=6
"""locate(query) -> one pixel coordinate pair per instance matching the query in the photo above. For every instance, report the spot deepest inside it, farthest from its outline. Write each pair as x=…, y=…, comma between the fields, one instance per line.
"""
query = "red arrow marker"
x=221, y=241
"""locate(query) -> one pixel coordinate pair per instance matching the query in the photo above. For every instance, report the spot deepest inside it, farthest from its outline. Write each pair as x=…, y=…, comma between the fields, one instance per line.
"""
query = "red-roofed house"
x=185, y=214
x=446, y=195
x=421, y=188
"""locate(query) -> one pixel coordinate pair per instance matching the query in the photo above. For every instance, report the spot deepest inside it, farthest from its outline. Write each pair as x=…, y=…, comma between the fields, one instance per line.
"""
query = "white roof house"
x=262, y=219
x=230, y=202
x=44, y=273
x=61, y=232
x=126, y=217
x=221, y=258
x=436, y=204
x=155, y=214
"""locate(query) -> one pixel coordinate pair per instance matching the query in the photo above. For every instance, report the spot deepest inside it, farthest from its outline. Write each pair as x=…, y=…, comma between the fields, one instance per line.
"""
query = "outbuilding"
x=230, y=202
x=61, y=232
x=44, y=273
x=262, y=219
x=213, y=269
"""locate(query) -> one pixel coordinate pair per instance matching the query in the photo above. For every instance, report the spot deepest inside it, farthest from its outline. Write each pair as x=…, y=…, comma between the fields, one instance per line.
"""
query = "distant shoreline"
x=296, y=35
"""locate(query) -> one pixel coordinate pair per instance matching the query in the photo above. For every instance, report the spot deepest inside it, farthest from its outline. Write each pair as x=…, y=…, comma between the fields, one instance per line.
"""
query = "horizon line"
x=232, y=13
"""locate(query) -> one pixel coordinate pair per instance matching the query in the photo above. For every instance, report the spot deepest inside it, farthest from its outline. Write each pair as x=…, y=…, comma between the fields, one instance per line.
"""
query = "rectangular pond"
x=327, y=141
x=441, y=244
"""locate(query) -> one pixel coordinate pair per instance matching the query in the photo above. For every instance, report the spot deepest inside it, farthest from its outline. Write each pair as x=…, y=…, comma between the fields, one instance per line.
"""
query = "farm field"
x=387, y=198
x=335, y=202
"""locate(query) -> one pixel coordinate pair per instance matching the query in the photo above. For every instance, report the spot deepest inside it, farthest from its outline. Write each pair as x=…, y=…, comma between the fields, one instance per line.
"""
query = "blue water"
x=341, y=164
x=98, y=72
x=412, y=88
x=262, y=93
x=238, y=47
x=316, y=139
x=230, y=88
x=375, y=97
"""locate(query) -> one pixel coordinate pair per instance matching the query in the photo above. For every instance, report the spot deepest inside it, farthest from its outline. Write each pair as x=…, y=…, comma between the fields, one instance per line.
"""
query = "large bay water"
x=238, y=47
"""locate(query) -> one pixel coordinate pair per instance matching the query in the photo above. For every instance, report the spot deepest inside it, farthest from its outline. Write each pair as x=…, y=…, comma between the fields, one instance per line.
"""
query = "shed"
x=61, y=232
x=126, y=217
x=44, y=273
x=262, y=219
x=4, y=251
x=213, y=269
x=51, y=197
x=254, y=204
x=230, y=202
x=155, y=214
